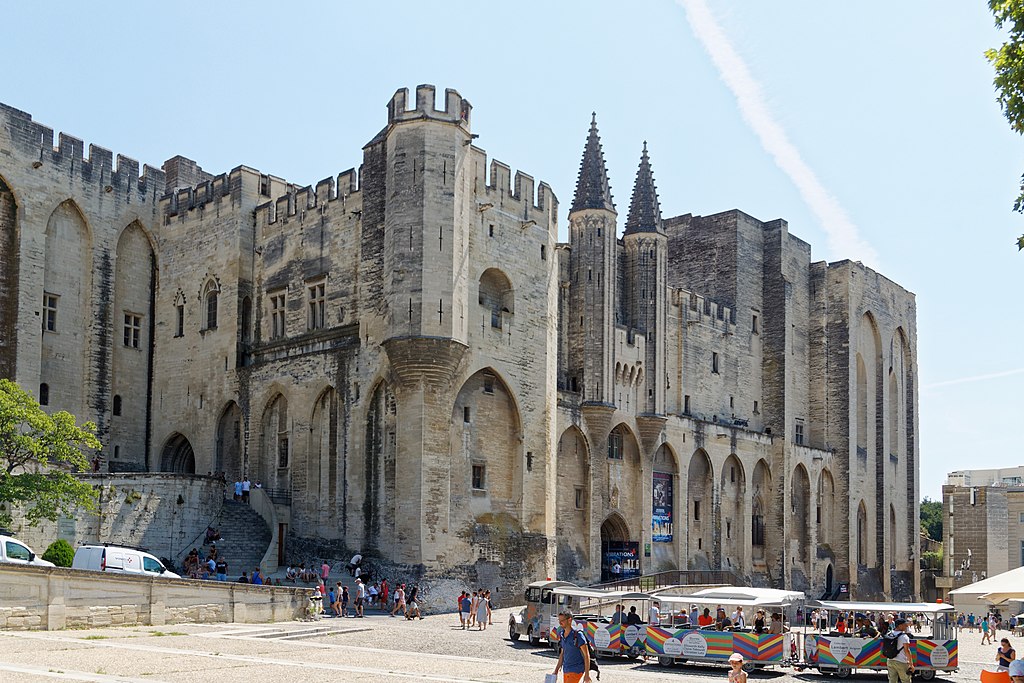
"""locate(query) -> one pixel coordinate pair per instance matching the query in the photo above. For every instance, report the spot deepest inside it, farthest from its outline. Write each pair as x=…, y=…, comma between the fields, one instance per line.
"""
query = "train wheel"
x=665, y=661
x=843, y=672
x=748, y=666
x=534, y=639
x=927, y=674
x=513, y=634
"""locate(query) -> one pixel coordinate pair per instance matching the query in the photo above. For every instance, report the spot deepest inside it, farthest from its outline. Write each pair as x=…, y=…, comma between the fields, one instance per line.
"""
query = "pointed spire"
x=644, y=209
x=592, y=189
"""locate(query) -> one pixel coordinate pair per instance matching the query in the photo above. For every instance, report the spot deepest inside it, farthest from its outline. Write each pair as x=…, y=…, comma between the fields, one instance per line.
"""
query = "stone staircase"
x=244, y=538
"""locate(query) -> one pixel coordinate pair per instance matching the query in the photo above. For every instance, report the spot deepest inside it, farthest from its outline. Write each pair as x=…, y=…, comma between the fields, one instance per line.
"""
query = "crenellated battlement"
x=697, y=308
x=518, y=192
x=210, y=190
x=301, y=199
x=456, y=109
x=35, y=141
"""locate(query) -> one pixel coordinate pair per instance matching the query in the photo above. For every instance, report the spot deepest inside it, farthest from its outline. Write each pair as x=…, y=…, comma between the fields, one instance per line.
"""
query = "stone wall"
x=54, y=599
x=164, y=513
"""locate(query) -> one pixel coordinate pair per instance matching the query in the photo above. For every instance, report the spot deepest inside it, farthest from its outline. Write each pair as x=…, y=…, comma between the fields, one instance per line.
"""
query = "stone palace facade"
x=408, y=354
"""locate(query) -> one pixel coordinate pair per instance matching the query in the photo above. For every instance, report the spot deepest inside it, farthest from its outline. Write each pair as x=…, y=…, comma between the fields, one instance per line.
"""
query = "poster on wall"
x=661, y=514
x=620, y=560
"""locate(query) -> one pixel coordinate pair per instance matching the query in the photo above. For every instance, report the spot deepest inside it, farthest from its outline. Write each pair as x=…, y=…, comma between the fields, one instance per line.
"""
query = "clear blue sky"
x=871, y=127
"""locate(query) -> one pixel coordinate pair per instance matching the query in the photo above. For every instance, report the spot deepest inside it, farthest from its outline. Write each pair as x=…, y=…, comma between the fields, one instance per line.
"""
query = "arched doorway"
x=617, y=548
x=10, y=244
x=178, y=456
x=700, y=504
x=573, y=505
x=229, y=443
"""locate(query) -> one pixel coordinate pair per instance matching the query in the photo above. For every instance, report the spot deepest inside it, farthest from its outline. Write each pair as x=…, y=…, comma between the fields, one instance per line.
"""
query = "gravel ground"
x=377, y=648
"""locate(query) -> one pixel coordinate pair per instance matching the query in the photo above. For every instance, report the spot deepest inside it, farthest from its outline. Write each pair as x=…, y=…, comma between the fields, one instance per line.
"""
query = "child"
x=736, y=672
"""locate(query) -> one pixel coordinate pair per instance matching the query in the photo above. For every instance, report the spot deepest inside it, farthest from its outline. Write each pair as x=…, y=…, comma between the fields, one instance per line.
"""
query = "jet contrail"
x=974, y=378
x=843, y=237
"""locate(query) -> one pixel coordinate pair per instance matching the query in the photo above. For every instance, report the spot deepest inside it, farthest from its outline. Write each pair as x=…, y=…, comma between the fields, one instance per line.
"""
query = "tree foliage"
x=931, y=518
x=38, y=455
x=1008, y=62
x=60, y=553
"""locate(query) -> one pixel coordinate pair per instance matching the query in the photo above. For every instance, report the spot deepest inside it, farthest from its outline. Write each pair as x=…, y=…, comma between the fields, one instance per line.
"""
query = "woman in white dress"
x=481, y=612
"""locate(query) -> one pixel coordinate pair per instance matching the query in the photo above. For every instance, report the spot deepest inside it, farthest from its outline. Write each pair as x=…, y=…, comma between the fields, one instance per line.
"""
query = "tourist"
x=344, y=601
x=1004, y=655
x=238, y=491
x=694, y=615
x=901, y=667
x=776, y=625
x=654, y=614
x=633, y=619
x=257, y=577
x=221, y=566
x=291, y=573
x=1016, y=670
x=574, y=655
x=413, y=610
x=246, y=485
x=371, y=594
x=738, y=619
x=384, y=590
x=354, y=563
x=736, y=672
x=325, y=570
x=481, y=611
x=465, y=606
x=986, y=636
x=360, y=597
x=399, y=599
x=619, y=615
x=331, y=599
x=244, y=578
x=759, y=625
x=705, y=619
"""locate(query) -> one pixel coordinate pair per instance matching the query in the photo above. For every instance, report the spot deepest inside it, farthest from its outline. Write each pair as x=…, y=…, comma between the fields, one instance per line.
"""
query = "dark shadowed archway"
x=178, y=456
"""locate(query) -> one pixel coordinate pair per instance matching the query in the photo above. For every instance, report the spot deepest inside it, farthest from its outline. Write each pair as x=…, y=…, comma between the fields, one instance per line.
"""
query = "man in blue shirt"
x=574, y=655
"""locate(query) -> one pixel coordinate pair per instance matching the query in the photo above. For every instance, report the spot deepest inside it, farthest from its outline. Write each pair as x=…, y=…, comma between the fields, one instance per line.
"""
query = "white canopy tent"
x=994, y=590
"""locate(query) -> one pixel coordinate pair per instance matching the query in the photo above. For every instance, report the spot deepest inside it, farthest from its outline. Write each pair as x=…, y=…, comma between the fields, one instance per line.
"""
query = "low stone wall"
x=165, y=513
x=54, y=598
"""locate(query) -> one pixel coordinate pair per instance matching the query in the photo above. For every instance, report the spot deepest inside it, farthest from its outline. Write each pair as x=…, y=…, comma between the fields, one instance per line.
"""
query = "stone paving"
x=377, y=648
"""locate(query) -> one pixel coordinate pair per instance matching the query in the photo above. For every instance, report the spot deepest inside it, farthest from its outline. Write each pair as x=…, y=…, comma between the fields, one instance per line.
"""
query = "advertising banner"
x=661, y=514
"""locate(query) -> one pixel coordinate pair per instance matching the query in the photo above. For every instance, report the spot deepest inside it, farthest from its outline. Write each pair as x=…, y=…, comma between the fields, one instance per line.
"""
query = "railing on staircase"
x=263, y=504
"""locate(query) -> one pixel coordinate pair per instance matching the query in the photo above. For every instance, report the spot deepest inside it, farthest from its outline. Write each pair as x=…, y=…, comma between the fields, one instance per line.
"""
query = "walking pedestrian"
x=399, y=599
x=360, y=597
x=344, y=601
x=574, y=655
x=414, y=606
x=465, y=605
x=901, y=667
x=986, y=636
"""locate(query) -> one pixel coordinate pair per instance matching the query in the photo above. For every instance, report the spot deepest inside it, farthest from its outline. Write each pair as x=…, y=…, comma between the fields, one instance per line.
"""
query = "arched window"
x=44, y=394
x=210, y=296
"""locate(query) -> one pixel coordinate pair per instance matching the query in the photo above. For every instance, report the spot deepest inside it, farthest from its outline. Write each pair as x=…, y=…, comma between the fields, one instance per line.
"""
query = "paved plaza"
x=376, y=648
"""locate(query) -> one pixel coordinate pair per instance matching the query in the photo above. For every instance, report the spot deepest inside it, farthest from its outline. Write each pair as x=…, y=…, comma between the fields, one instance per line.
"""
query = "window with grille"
x=479, y=472
x=615, y=445
x=282, y=451
x=798, y=432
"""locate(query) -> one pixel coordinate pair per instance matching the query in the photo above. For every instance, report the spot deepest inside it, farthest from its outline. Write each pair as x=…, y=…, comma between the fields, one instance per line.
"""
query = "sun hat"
x=735, y=657
x=1017, y=667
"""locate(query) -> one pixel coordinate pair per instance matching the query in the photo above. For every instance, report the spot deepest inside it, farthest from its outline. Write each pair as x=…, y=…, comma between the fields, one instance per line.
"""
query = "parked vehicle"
x=841, y=654
x=120, y=559
x=540, y=614
x=14, y=551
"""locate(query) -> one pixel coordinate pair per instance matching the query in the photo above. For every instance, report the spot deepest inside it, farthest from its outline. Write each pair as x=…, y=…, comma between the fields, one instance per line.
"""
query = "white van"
x=114, y=558
x=14, y=551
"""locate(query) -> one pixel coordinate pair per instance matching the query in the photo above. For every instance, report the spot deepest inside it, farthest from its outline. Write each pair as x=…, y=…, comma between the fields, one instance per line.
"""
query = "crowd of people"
x=474, y=609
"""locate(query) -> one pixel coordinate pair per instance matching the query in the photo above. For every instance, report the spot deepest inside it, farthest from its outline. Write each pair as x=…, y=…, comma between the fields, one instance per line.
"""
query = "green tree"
x=931, y=518
x=38, y=455
x=1008, y=62
x=60, y=553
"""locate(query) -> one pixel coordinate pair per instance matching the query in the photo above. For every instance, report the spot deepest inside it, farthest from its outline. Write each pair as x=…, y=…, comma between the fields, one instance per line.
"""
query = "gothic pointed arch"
x=733, y=493
x=228, y=447
x=374, y=477
x=825, y=514
x=761, y=491
x=132, y=326
x=177, y=455
x=10, y=260
x=700, y=501
x=666, y=506
x=799, y=536
x=67, y=308
x=316, y=470
x=573, y=504
x=275, y=444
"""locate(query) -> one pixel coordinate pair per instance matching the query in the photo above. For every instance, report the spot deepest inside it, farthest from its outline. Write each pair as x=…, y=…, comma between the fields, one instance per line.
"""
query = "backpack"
x=591, y=651
x=890, y=644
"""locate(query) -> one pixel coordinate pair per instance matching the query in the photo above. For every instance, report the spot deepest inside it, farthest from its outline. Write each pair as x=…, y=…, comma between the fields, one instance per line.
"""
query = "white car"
x=14, y=551
x=119, y=559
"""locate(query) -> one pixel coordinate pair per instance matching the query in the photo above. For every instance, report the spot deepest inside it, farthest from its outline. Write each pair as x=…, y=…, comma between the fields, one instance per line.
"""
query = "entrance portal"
x=178, y=456
x=620, y=557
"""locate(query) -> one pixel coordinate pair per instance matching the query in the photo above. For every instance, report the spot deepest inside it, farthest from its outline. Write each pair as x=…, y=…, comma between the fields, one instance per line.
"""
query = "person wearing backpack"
x=574, y=655
x=899, y=662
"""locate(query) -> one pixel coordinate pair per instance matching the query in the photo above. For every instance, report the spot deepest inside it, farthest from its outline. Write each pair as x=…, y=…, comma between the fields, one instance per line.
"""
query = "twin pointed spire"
x=592, y=189
x=594, y=192
x=644, y=208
